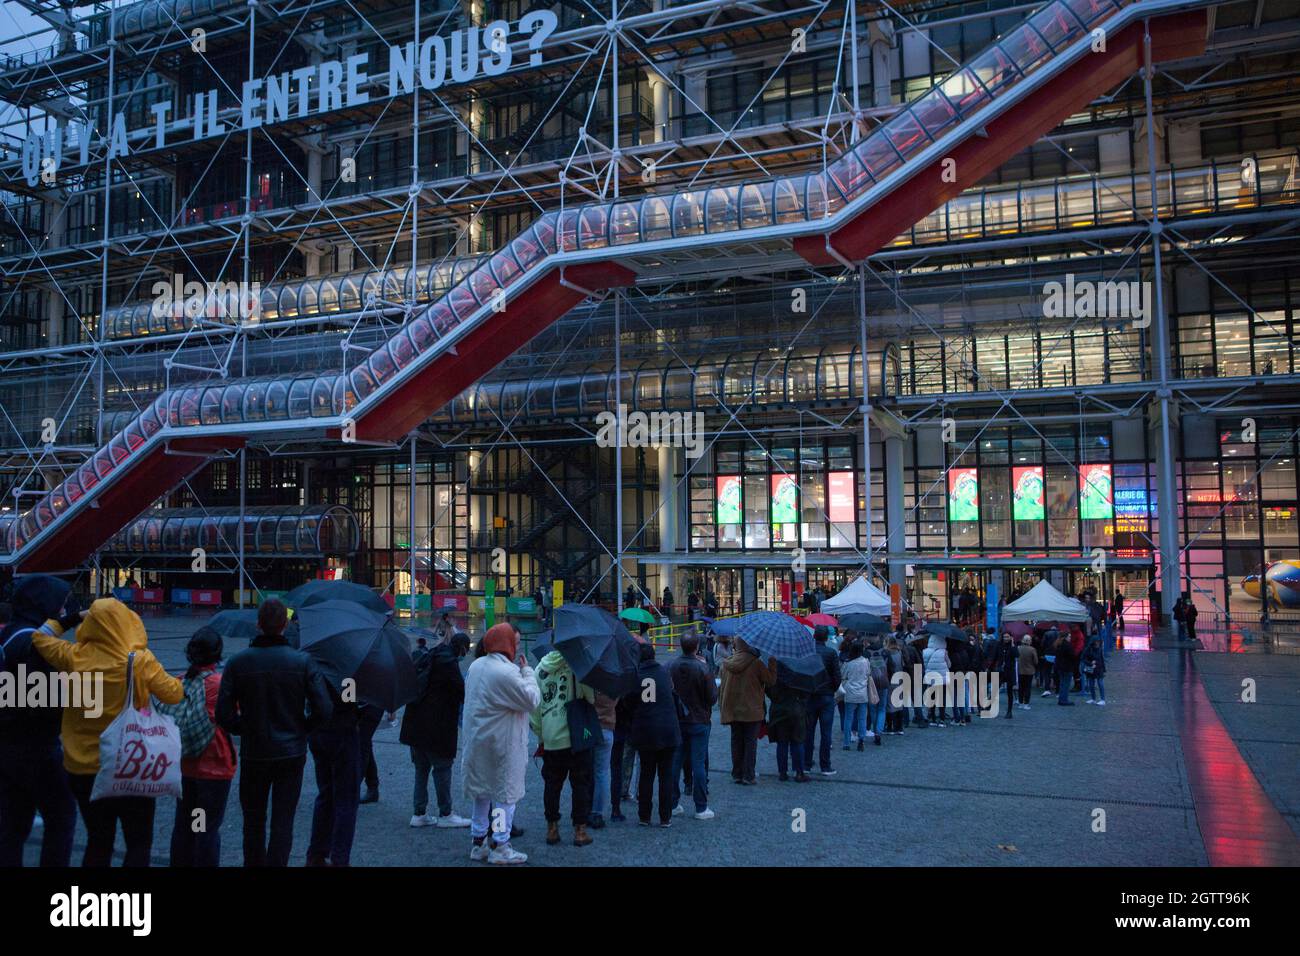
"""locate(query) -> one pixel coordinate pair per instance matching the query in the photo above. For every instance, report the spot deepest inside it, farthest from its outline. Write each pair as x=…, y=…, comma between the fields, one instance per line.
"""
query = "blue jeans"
x=1097, y=687
x=600, y=776
x=693, y=754
x=876, y=716
x=792, y=753
x=1066, y=681
x=821, y=712
x=855, y=721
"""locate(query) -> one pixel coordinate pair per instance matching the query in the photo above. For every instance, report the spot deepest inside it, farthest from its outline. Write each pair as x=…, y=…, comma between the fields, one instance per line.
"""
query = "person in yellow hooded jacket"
x=108, y=632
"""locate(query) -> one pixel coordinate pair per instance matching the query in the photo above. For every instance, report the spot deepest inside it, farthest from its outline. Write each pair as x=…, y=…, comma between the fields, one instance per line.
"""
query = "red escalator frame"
x=144, y=481
x=1172, y=37
x=494, y=339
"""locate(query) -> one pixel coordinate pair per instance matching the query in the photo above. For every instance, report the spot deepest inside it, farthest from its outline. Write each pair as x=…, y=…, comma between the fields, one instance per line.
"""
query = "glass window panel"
x=688, y=214
x=722, y=208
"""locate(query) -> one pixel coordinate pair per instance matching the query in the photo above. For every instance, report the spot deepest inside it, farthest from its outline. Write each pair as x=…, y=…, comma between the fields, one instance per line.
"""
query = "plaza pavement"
x=995, y=793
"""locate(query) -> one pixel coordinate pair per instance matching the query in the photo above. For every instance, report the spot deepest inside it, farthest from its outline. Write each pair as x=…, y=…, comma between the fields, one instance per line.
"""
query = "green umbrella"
x=638, y=614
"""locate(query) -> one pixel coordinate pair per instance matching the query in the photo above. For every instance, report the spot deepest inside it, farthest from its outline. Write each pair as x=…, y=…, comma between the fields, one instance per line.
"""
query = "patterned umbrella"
x=778, y=635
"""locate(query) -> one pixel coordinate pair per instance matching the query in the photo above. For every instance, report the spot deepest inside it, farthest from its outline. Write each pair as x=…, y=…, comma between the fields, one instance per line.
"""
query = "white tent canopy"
x=860, y=597
x=1043, y=602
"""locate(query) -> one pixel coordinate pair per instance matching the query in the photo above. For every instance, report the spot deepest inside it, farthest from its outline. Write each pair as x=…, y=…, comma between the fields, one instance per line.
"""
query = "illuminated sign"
x=728, y=491
x=963, y=495
x=1027, y=493
x=841, y=492
x=785, y=499
x=1132, y=502
x=1096, y=499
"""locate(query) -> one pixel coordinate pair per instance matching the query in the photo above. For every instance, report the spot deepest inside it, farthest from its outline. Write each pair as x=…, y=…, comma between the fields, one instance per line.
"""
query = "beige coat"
x=499, y=696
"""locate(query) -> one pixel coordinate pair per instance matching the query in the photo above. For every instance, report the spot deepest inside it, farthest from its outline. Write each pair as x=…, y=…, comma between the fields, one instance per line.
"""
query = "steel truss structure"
x=597, y=215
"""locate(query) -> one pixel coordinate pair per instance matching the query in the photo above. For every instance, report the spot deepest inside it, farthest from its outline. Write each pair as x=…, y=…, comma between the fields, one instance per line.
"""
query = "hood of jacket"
x=36, y=599
x=553, y=663
x=113, y=627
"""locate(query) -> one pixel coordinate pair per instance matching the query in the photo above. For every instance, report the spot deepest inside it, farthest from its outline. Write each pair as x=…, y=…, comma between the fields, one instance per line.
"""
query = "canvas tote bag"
x=139, y=752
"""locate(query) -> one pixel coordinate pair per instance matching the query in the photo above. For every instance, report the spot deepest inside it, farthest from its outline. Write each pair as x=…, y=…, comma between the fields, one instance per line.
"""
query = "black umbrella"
x=236, y=624
x=807, y=673
x=864, y=624
x=950, y=632
x=314, y=592
x=601, y=651
x=348, y=640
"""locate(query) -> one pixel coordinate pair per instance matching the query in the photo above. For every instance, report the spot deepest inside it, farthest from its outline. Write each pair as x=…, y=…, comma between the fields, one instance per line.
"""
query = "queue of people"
x=274, y=701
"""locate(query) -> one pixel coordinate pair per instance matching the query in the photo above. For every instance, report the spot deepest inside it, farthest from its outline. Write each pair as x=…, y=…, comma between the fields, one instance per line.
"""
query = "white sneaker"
x=506, y=855
x=678, y=810
x=1046, y=693
x=1101, y=703
x=422, y=820
x=869, y=735
x=451, y=822
x=1090, y=701
x=705, y=814
x=480, y=851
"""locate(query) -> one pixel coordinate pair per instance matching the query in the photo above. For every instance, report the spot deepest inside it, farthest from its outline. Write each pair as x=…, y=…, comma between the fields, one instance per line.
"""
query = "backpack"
x=191, y=716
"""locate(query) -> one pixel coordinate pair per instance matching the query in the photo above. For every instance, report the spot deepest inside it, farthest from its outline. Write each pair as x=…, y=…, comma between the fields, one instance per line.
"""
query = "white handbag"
x=139, y=752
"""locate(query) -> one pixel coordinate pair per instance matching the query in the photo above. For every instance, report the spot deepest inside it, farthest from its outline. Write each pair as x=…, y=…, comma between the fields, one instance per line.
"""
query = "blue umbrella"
x=724, y=627
x=776, y=635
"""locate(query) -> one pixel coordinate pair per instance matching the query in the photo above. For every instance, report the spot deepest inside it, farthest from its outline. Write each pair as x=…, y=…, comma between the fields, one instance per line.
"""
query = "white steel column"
x=1167, y=511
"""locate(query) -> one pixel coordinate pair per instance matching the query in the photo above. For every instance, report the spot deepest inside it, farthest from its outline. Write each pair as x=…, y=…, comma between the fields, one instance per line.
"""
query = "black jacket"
x=831, y=661
x=654, y=723
x=36, y=599
x=1093, y=654
x=787, y=718
x=272, y=696
x=432, y=721
x=1007, y=662
x=1064, y=655
x=961, y=659
x=695, y=688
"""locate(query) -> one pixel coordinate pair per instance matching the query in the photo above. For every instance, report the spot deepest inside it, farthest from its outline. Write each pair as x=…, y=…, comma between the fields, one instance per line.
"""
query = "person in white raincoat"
x=500, y=693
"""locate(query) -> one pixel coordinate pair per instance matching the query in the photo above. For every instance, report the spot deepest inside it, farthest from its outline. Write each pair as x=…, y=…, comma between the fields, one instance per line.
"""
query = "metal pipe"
x=1167, y=514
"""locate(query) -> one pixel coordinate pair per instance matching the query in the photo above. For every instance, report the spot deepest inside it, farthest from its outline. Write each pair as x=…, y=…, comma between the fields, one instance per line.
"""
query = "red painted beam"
x=144, y=482
x=1173, y=37
x=496, y=338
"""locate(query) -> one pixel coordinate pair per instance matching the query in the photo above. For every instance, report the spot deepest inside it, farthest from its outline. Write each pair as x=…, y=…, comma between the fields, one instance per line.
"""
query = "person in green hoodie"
x=550, y=722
